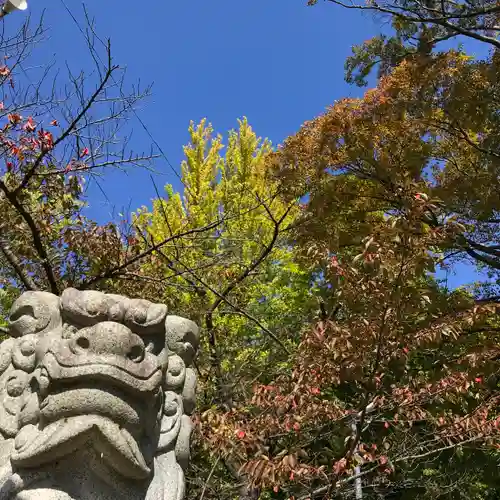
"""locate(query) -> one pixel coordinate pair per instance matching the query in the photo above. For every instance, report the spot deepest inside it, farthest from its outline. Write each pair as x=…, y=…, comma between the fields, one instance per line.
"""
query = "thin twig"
x=110, y=273
x=31, y=172
x=235, y=307
x=209, y=477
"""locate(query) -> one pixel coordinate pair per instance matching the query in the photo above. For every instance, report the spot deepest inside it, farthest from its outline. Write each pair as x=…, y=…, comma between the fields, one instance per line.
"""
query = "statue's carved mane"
x=95, y=396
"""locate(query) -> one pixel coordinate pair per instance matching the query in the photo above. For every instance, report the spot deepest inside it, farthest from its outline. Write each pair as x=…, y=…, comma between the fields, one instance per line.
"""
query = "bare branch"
x=29, y=174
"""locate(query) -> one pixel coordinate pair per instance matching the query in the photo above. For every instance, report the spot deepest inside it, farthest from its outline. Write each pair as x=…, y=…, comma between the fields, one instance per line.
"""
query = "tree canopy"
x=334, y=354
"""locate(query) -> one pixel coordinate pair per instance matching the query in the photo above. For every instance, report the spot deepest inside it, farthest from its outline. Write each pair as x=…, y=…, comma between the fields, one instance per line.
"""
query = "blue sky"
x=276, y=62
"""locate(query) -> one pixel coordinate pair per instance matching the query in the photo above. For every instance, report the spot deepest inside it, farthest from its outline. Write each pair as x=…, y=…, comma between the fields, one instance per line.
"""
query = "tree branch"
x=483, y=258
x=490, y=250
x=16, y=265
x=31, y=172
x=235, y=307
x=440, y=21
x=267, y=250
x=222, y=296
x=110, y=273
x=35, y=233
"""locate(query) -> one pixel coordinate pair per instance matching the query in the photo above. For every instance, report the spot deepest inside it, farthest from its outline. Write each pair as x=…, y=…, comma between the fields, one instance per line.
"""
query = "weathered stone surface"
x=95, y=396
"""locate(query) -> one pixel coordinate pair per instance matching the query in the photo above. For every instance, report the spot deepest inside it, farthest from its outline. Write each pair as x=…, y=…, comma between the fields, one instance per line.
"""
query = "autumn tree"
x=333, y=356
x=418, y=28
x=427, y=128
x=56, y=136
x=389, y=381
x=240, y=281
x=396, y=387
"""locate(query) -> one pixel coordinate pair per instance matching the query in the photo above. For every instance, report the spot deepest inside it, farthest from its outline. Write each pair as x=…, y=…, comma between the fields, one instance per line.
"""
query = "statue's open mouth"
x=116, y=446
x=97, y=405
x=86, y=398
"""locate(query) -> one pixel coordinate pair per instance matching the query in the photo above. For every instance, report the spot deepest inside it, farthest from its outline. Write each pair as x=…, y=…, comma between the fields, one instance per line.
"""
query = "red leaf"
x=14, y=118
x=30, y=125
x=386, y=425
x=339, y=466
x=46, y=140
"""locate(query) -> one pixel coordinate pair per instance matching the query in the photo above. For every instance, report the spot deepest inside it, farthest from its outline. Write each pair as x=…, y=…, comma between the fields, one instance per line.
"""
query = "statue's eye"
x=154, y=343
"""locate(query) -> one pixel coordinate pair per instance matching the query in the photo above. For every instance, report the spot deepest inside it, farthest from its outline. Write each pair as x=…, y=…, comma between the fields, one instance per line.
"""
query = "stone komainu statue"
x=95, y=396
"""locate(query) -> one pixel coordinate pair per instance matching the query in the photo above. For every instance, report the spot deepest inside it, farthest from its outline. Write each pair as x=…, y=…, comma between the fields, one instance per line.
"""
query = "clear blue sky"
x=277, y=62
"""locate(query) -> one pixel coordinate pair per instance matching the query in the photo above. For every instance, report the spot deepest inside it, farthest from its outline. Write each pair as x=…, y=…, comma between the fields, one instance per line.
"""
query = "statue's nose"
x=109, y=338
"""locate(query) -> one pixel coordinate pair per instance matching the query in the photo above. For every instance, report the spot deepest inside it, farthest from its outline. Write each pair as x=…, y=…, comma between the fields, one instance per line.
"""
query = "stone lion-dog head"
x=95, y=396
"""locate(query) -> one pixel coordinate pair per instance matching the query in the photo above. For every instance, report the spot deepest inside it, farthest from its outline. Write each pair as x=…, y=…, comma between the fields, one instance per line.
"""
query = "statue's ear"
x=144, y=317
x=34, y=313
x=182, y=337
x=17, y=364
x=6, y=348
x=6, y=484
x=34, y=318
